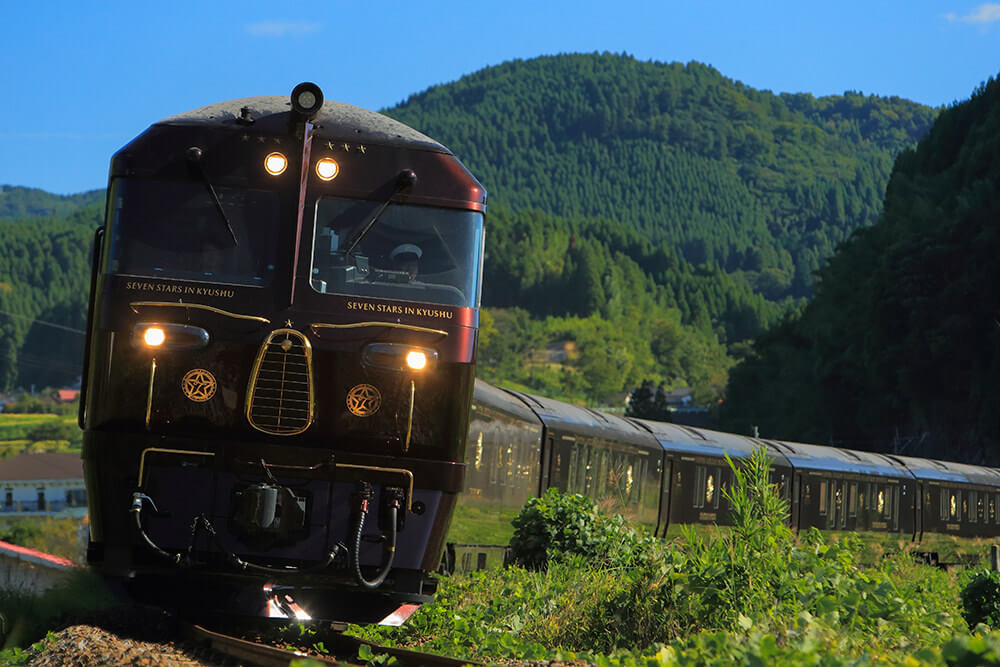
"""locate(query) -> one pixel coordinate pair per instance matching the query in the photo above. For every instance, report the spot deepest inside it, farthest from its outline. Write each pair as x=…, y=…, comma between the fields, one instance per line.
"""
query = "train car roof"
x=335, y=120
x=575, y=420
x=699, y=441
x=502, y=401
x=834, y=459
x=949, y=471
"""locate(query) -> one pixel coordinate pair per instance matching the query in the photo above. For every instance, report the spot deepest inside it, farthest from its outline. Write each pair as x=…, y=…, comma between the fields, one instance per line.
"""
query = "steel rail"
x=266, y=655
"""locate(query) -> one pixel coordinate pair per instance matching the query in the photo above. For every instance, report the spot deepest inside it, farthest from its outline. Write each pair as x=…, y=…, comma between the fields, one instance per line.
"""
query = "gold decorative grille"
x=280, y=393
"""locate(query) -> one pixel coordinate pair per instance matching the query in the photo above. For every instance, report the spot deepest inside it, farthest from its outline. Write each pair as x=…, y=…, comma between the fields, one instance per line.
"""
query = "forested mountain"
x=901, y=346
x=44, y=279
x=18, y=202
x=738, y=178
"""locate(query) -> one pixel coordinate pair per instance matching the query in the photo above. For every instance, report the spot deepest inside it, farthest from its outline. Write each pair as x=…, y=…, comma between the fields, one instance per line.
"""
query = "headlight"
x=399, y=356
x=416, y=359
x=168, y=336
x=154, y=336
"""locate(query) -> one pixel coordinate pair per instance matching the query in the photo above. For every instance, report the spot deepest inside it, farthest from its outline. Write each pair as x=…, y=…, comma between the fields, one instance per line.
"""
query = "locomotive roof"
x=334, y=120
x=574, y=420
x=699, y=441
x=833, y=459
x=502, y=401
x=949, y=471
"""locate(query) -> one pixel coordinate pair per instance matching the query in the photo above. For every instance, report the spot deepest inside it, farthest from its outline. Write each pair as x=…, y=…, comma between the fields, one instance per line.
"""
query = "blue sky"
x=78, y=80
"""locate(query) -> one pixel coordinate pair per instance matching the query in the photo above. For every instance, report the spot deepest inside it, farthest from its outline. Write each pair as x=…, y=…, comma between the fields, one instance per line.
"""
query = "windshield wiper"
x=406, y=179
x=194, y=156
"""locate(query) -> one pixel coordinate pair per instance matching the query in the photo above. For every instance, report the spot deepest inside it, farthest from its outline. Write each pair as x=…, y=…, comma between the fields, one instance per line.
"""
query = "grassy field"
x=16, y=431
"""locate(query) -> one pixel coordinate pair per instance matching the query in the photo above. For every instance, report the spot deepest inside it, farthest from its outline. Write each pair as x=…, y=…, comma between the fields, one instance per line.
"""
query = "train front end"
x=280, y=360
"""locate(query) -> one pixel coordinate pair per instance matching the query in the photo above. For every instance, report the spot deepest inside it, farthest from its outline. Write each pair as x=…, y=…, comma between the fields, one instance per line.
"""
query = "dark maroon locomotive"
x=280, y=358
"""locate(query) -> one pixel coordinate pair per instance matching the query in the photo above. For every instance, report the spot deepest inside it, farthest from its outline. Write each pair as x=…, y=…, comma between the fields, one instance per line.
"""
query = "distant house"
x=66, y=395
x=42, y=485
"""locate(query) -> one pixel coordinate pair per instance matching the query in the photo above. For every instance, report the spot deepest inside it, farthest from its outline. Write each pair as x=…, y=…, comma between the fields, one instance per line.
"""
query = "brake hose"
x=365, y=496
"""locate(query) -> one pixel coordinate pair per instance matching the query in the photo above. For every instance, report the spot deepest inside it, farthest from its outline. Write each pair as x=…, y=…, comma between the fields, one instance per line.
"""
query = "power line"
x=44, y=323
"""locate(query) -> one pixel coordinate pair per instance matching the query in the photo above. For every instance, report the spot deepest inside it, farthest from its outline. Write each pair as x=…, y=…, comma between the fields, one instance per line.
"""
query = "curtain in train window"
x=853, y=500
x=865, y=493
x=945, y=513
x=588, y=480
x=700, y=475
x=572, y=485
x=822, y=497
x=973, y=501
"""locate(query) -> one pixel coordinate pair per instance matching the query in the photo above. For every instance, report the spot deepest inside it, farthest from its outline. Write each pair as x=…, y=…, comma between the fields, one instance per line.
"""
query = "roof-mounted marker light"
x=275, y=163
x=327, y=169
x=307, y=99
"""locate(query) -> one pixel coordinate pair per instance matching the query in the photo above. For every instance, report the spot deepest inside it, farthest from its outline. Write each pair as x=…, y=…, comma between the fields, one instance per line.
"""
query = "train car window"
x=965, y=508
x=853, y=499
x=864, y=496
x=973, y=506
x=895, y=508
x=953, y=504
x=588, y=472
x=699, y=486
x=411, y=253
x=718, y=490
x=992, y=509
x=822, y=497
x=945, y=512
x=572, y=485
x=880, y=502
x=497, y=464
x=872, y=489
x=162, y=229
x=831, y=517
x=996, y=508
x=840, y=504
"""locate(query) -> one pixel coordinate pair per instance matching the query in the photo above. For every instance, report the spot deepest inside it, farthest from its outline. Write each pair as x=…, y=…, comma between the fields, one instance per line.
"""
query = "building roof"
x=34, y=556
x=30, y=467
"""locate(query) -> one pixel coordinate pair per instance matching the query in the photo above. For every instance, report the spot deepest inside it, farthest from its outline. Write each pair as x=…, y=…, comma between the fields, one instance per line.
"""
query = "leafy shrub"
x=981, y=600
x=559, y=526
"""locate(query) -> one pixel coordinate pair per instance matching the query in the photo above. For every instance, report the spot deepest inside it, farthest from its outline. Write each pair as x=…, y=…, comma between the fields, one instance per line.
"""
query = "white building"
x=42, y=485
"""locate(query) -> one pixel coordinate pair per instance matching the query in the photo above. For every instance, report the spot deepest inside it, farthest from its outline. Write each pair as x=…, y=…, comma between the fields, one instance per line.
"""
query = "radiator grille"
x=280, y=395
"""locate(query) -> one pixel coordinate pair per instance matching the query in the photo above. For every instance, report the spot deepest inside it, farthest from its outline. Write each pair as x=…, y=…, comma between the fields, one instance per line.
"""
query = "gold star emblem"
x=347, y=147
x=245, y=137
x=361, y=149
x=260, y=140
x=363, y=400
x=288, y=324
x=199, y=385
x=329, y=145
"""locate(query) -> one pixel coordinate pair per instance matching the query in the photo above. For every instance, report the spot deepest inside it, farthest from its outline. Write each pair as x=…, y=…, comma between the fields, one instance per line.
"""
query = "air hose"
x=365, y=496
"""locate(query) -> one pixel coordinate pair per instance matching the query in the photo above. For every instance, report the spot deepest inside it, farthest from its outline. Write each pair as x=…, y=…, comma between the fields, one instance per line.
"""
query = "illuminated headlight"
x=327, y=169
x=275, y=163
x=154, y=337
x=168, y=336
x=399, y=357
x=416, y=360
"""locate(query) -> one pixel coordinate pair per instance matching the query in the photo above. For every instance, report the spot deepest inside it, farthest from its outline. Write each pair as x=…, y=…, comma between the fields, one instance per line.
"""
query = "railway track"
x=343, y=650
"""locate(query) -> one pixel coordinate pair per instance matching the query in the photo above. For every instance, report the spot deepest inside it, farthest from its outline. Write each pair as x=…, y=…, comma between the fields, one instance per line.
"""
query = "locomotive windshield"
x=175, y=230
x=411, y=253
